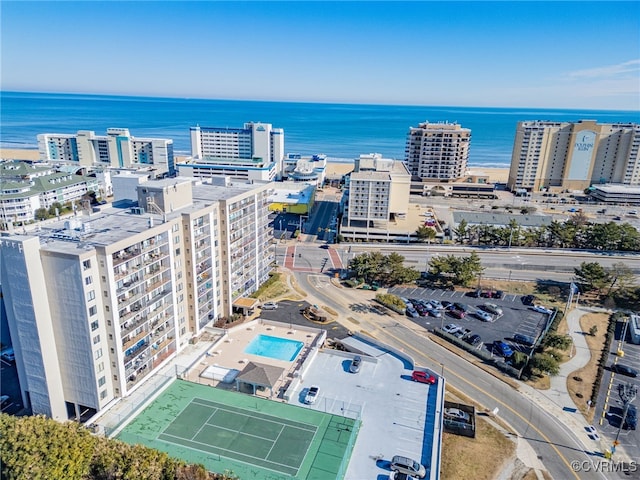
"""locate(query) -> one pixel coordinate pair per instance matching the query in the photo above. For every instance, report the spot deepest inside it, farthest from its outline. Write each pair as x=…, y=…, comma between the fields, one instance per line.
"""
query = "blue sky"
x=531, y=54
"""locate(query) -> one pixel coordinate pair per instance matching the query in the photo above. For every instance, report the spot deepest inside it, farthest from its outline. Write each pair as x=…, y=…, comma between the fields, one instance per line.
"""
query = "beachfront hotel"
x=98, y=302
x=254, y=152
x=26, y=188
x=571, y=156
x=117, y=149
x=438, y=151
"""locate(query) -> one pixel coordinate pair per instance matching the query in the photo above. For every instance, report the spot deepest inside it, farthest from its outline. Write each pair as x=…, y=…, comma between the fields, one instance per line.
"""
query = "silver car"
x=408, y=466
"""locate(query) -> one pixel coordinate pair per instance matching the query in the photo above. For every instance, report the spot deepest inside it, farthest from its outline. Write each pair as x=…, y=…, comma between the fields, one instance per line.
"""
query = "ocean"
x=340, y=131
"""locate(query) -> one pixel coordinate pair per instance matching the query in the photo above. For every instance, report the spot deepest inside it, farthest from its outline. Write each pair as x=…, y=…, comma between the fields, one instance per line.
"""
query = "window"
x=86, y=264
x=91, y=295
x=88, y=280
x=103, y=394
x=102, y=381
x=100, y=367
x=93, y=310
x=94, y=326
x=97, y=354
x=96, y=339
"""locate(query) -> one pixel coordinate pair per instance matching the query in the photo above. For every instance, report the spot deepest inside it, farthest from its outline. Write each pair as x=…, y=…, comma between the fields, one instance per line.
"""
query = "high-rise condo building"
x=254, y=152
x=117, y=149
x=438, y=151
x=97, y=303
x=558, y=156
x=378, y=192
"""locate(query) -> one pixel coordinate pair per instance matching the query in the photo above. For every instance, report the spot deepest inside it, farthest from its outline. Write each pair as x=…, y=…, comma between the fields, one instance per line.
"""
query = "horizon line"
x=172, y=97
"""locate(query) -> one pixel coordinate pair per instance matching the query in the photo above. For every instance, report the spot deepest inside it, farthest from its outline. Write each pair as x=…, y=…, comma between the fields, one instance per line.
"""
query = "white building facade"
x=101, y=301
x=254, y=152
x=117, y=149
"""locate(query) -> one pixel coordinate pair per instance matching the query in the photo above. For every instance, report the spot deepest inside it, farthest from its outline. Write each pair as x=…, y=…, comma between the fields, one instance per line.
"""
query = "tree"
x=461, y=231
x=41, y=214
x=425, y=233
x=592, y=276
x=593, y=330
x=554, y=340
x=622, y=275
x=545, y=363
x=459, y=270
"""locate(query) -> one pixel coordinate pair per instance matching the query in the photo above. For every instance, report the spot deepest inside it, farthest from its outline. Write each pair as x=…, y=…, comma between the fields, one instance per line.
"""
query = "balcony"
x=126, y=344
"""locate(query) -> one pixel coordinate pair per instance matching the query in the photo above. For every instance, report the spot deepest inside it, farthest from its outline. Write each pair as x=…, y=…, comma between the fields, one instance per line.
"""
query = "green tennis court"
x=250, y=436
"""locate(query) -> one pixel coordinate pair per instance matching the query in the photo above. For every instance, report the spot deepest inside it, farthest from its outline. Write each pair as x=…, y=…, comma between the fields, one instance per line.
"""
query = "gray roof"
x=260, y=374
x=478, y=218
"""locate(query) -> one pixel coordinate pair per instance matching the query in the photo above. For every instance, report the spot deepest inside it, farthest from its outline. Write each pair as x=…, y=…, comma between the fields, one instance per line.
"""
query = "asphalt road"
x=554, y=443
x=514, y=264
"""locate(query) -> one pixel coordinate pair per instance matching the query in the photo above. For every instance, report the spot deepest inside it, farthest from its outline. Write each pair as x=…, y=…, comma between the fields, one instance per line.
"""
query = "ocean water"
x=340, y=131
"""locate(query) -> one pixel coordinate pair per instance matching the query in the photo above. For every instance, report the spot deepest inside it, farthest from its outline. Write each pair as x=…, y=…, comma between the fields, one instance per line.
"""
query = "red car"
x=423, y=377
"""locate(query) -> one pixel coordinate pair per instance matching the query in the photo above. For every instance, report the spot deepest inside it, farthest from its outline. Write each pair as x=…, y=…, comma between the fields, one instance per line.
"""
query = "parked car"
x=528, y=299
x=462, y=307
x=435, y=313
x=457, y=313
x=423, y=377
x=631, y=420
x=412, y=312
x=492, y=308
x=451, y=328
x=541, y=309
x=408, y=466
x=475, y=293
x=624, y=370
x=312, y=395
x=524, y=339
x=355, y=364
x=446, y=304
x=474, y=340
x=456, y=414
x=269, y=305
x=498, y=294
x=397, y=475
x=4, y=399
x=484, y=316
x=502, y=348
x=462, y=333
x=436, y=304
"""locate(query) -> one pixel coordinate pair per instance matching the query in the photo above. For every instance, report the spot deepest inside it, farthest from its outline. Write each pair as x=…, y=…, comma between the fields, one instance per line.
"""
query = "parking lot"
x=516, y=318
x=609, y=406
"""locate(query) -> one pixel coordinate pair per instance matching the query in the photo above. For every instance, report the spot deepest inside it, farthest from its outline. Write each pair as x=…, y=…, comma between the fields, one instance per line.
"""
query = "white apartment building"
x=25, y=188
x=378, y=192
x=254, y=152
x=99, y=302
x=438, y=151
x=117, y=149
x=308, y=169
x=559, y=156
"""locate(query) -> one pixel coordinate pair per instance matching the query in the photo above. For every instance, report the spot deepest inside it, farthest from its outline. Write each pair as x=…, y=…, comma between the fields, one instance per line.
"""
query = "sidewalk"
x=557, y=401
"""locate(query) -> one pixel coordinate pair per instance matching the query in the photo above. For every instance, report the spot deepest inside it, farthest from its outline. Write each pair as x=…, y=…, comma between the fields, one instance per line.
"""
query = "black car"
x=475, y=293
x=474, y=340
x=498, y=294
x=461, y=306
x=528, y=299
x=624, y=370
x=631, y=420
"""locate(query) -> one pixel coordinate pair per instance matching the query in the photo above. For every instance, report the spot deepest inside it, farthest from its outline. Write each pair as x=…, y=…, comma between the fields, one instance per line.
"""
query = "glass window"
x=94, y=326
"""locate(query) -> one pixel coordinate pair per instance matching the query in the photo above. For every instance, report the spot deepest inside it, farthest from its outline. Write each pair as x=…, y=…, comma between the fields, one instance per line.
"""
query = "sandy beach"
x=495, y=174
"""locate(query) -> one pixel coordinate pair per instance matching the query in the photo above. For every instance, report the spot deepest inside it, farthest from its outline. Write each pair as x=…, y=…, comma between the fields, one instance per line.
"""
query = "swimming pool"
x=274, y=347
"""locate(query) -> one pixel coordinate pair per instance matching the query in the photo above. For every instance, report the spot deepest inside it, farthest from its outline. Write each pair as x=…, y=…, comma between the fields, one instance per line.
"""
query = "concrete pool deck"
x=228, y=352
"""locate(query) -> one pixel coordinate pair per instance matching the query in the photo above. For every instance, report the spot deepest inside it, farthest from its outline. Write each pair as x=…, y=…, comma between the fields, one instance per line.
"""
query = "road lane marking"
x=532, y=426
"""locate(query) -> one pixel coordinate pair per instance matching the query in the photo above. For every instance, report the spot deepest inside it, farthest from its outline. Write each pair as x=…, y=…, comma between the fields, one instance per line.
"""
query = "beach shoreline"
x=496, y=175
